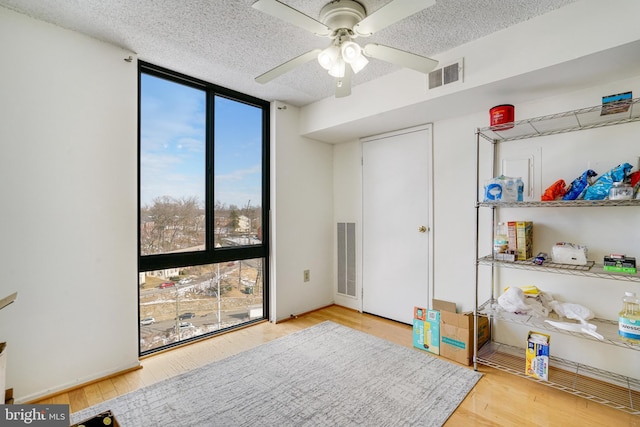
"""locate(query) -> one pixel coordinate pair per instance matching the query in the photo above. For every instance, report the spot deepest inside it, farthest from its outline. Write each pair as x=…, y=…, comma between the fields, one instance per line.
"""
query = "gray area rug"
x=325, y=375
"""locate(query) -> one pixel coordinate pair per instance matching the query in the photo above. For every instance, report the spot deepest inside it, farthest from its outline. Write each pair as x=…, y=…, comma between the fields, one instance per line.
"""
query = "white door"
x=396, y=222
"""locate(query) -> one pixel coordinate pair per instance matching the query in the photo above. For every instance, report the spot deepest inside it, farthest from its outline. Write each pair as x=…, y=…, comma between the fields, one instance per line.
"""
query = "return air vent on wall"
x=448, y=74
x=347, y=258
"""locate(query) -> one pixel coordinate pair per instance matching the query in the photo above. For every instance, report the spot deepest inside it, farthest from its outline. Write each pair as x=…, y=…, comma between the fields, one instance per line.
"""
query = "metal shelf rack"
x=570, y=121
x=590, y=270
x=561, y=204
x=607, y=328
x=597, y=385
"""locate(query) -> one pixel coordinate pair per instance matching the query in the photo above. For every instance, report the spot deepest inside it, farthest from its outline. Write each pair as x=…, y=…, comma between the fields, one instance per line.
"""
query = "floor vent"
x=347, y=258
x=448, y=74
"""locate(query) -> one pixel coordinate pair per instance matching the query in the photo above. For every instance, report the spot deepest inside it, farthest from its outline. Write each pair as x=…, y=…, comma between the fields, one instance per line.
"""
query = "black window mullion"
x=210, y=176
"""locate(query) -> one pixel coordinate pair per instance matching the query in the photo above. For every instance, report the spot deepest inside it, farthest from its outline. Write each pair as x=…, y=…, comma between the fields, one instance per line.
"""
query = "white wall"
x=301, y=217
x=347, y=196
x=69, y=210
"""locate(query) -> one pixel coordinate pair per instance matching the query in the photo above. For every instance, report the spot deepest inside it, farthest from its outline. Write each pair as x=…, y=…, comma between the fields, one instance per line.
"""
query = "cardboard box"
x=537, y=359
x=524, y=240
x=456, y=332
x=623, y=264
x=511, y=235
x=426, y=330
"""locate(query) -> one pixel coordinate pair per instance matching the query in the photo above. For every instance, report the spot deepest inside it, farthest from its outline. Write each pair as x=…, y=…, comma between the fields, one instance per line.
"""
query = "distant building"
x=244, y=224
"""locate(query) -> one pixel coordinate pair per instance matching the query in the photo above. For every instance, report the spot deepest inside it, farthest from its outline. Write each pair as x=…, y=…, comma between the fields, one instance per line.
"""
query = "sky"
x=172, y=148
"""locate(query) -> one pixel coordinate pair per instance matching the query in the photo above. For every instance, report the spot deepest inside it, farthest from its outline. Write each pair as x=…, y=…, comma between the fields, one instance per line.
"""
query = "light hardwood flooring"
x=499, y=399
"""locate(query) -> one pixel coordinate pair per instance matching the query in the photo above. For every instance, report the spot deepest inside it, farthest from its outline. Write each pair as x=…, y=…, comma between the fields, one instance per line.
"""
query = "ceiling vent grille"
x=448, y=74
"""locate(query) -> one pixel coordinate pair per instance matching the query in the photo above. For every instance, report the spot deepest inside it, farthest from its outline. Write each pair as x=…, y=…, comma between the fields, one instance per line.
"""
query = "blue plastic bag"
x=579, y=184
x=600, y=189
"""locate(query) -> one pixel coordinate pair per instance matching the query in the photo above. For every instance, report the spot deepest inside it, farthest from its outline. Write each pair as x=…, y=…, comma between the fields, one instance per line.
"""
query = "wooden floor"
x=499, y=399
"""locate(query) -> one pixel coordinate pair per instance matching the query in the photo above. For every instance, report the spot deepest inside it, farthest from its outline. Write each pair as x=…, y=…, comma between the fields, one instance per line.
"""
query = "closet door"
x=396, y=222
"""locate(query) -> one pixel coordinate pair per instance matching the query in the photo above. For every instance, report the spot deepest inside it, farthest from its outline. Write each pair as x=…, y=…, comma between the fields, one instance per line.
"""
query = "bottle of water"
x=500, y=240
x=629, y=319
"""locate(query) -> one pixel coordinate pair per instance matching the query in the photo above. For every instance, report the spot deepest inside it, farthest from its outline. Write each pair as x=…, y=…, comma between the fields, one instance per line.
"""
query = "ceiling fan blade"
x=292, y=16
x=389, y=14
x=288, y=66
x=343, y=84
x=400, y=57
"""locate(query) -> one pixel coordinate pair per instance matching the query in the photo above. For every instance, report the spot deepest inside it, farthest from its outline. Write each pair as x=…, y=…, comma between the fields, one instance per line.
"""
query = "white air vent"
x=451, y=73
x=347, y=258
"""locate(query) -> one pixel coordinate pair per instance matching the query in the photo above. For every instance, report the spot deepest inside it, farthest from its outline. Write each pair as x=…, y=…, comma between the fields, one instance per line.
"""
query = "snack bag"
x=579, y=184
x=600, y=189
x=557, y=189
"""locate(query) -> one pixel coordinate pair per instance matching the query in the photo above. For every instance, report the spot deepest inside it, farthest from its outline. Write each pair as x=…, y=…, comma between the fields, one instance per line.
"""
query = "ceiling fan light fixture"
x=329, y=57
x=342, y=21
x=358, y=64
x=337, y=70
x=351, y=51
x=352, y=55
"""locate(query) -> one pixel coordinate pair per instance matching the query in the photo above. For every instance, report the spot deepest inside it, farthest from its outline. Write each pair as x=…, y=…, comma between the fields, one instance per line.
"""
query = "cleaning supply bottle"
x=629, y=319
x=500, y=240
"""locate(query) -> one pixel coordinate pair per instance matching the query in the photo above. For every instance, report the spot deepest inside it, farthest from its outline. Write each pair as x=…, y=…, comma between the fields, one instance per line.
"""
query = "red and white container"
x=502, y=117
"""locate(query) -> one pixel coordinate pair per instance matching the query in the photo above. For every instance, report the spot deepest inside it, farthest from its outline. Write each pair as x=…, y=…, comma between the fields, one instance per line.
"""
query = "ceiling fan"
x=342, y=21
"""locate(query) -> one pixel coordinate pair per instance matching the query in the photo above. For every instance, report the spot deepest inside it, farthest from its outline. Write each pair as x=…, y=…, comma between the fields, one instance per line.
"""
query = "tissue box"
x=569, y=253
x=537, y=359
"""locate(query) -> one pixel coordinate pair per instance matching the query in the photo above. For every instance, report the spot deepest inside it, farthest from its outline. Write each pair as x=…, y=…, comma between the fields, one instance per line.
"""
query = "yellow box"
x=524, y=240
x=537, y=359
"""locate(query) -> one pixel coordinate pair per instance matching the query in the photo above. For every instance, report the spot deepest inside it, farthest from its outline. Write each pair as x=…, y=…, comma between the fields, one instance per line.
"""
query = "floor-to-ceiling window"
x=203, y=206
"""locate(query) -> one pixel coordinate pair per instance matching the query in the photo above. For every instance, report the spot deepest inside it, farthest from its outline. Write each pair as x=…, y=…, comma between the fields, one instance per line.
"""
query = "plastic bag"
x=504, y=188
x=579, y=184
x=600, y=189
x=557, y=189
x=512, y=300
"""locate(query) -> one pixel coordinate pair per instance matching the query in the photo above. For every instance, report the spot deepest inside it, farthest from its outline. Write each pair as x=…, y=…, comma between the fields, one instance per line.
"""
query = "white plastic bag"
x=569, y=253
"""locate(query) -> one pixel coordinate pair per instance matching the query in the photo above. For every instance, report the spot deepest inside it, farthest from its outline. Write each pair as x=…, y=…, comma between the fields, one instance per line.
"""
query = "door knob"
x=422, y=229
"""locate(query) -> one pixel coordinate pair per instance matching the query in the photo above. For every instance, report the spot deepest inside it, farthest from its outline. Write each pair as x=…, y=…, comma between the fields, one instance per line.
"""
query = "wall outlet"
x=307, y=275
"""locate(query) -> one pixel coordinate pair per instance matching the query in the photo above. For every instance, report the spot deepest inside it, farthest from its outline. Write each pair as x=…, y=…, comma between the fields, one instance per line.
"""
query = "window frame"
x=211, y=254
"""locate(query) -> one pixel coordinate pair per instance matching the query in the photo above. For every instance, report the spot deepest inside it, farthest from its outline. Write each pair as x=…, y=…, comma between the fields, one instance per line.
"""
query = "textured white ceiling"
x=229, y=43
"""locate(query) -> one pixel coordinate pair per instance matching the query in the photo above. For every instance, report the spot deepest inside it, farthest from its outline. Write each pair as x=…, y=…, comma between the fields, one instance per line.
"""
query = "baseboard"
x=295, y=316
x=34, y=398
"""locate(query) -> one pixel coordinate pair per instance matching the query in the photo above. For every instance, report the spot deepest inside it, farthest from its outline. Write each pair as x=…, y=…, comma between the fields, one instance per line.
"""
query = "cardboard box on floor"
x=456, y=332
x=426, y=329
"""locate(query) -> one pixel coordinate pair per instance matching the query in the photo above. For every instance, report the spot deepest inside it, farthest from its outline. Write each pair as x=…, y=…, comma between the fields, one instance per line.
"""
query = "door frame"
x=429, y=220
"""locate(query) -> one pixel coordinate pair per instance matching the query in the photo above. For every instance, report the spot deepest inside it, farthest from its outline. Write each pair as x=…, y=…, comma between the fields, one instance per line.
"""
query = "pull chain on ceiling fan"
x=343, y=21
